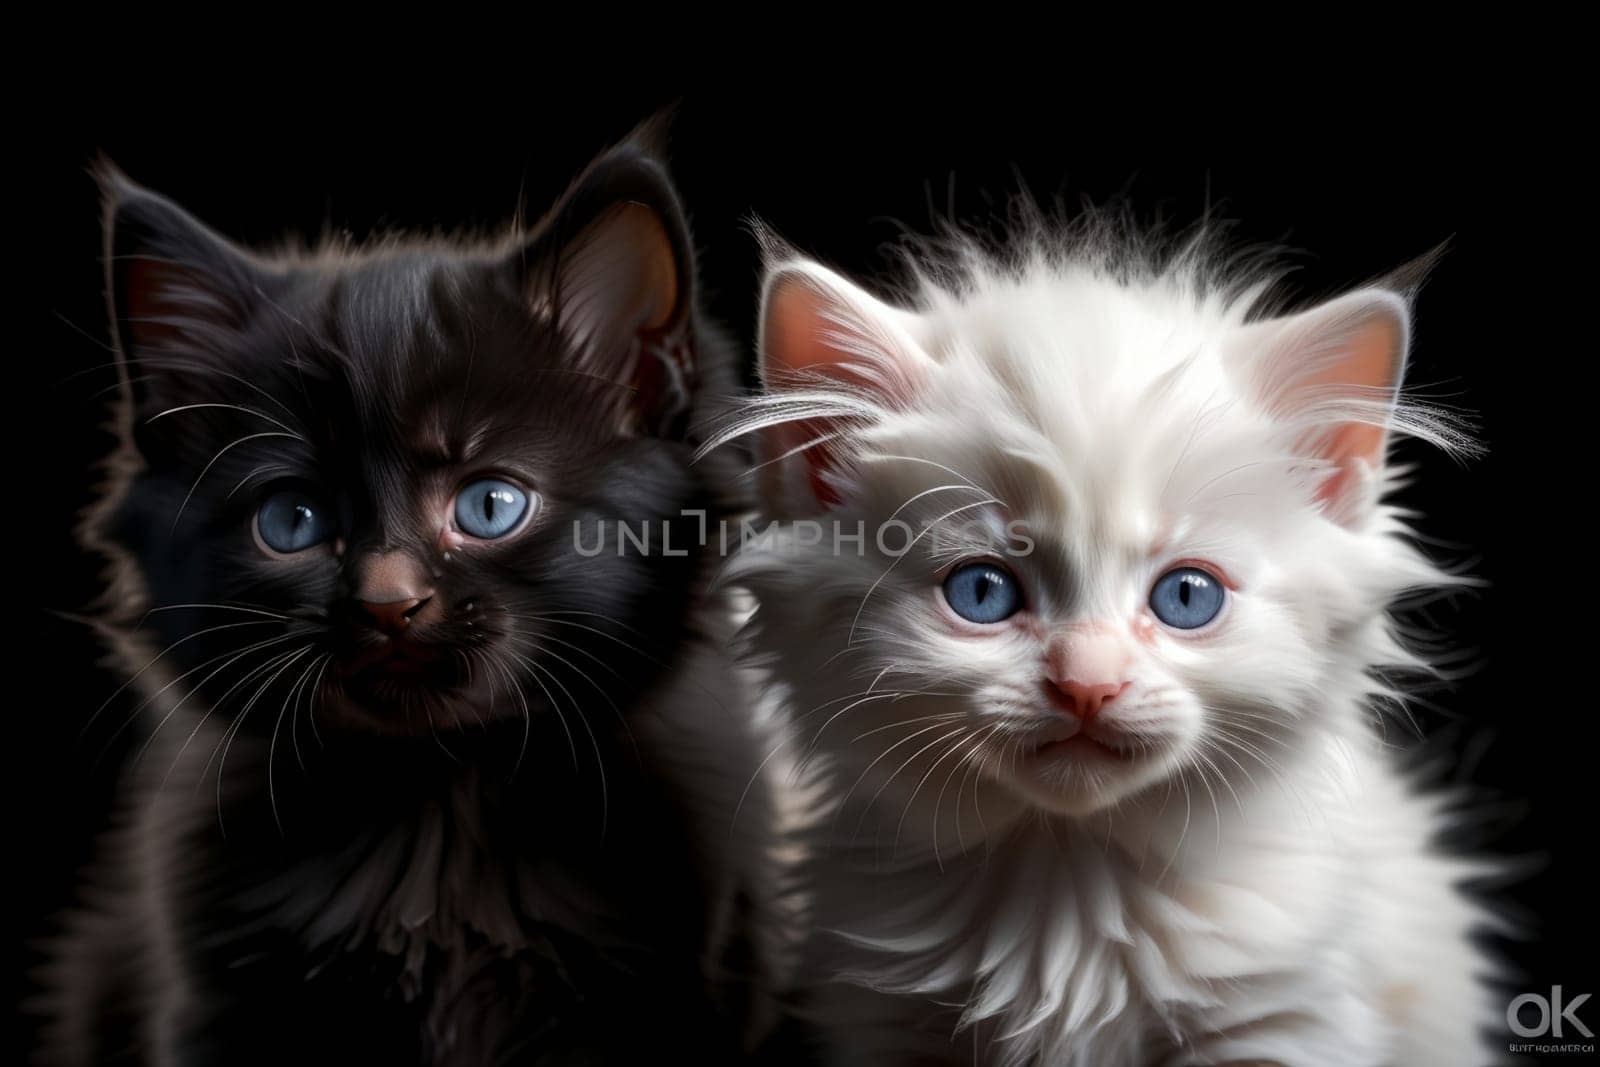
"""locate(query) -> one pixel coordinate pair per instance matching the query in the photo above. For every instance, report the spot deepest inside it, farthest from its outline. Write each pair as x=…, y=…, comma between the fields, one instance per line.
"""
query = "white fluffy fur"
x=1259, y=886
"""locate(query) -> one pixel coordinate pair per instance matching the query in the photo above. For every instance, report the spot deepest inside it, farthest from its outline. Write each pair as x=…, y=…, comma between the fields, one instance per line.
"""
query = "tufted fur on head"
x=1220, y=862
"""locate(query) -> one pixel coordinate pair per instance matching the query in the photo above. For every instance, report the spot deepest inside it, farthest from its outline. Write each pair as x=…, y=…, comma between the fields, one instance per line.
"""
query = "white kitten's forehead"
x=1104, y=417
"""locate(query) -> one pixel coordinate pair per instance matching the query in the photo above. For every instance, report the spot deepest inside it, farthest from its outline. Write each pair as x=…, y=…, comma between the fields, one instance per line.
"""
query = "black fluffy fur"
x=336, y=865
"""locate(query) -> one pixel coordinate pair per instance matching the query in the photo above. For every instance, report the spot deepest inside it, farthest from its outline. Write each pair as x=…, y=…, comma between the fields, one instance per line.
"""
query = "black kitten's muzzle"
x=399, y=657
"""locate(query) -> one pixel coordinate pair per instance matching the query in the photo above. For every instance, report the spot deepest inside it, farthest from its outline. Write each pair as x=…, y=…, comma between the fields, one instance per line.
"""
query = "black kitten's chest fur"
x=435, y=911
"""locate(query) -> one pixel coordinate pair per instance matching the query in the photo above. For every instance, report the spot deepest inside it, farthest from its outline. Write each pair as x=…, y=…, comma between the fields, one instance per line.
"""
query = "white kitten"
x=1103, y=779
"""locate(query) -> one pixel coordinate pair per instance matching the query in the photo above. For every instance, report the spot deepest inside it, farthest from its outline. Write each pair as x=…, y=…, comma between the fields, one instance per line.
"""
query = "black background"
x=1358, y=187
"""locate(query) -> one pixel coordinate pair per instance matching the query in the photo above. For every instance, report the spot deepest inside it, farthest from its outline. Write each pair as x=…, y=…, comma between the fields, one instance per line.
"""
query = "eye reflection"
x=982, y=593
x=490, y=508
x=292, y=520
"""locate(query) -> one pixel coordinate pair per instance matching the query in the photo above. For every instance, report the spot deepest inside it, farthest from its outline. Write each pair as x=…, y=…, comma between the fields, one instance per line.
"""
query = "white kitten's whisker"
x=970, y=482
x=850, y=639
x=895, y=514
x=973, y=745
x=795, y=451
x=880, y=758
x=899, y=826
x=950, y=716
x=891, y=694
x=908, y=761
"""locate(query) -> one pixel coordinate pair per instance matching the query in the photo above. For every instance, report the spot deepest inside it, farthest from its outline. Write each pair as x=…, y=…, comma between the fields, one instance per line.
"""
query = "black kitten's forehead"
x=441, y=358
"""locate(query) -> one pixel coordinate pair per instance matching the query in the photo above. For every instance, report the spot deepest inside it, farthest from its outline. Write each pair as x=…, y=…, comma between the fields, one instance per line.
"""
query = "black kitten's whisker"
x=153, y=661
x=230, y=407
x=215, y=705
x=572, y=744
x=278, y=665
x=268, y=468
x=316, y=694
x=215, y=607
x=174, y=362
x=583, y=720
x=299, y=691
x=213, y=462
x=272, y=745
x=232, y=656
x=527, y=714
x=596, y=686
x=433, y=732
x=598, y=615
x=594, y=630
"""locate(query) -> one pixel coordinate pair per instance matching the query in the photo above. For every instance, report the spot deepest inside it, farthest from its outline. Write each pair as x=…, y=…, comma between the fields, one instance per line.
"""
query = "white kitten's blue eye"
x=1187, y=598
x=982, y=592
x=292, y=520
x=490, y=508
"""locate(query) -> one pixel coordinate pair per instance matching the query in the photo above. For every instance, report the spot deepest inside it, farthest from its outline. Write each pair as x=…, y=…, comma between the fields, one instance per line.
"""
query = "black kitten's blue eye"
x=490, y=508
x=291, y=520
x=982, y=592
x=1186, y=598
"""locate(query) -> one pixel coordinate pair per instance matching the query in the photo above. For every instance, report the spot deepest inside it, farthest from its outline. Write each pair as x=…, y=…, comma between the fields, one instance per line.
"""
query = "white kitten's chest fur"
x=1237, y=873
x=1266, y=928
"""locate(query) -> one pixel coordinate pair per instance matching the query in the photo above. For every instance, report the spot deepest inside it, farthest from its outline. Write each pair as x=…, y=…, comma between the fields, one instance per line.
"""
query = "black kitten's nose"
x=391, y=590
x=394, y=616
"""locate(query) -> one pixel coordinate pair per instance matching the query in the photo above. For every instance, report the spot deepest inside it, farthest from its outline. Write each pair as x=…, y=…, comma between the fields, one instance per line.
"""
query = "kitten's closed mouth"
x=1081, y=745
x=401, y=661
x=392, y=658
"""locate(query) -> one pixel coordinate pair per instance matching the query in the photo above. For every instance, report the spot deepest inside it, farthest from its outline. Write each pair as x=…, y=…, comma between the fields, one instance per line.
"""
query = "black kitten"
x=423, y=781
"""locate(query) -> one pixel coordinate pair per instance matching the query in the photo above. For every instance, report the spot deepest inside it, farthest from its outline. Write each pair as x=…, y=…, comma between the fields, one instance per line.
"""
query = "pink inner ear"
x=816, y=325
x=794, y=341
x=1370, y=359
x=1348, y=447
x=802, y=333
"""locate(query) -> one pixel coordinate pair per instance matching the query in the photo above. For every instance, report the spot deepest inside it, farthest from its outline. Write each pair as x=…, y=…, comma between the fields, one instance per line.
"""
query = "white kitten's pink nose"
x=1085, y=701
x=1087, y=668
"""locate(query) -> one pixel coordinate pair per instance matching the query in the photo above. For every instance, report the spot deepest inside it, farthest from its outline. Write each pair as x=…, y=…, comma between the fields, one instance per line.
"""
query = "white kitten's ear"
x=833, y=360
x=1334, y=372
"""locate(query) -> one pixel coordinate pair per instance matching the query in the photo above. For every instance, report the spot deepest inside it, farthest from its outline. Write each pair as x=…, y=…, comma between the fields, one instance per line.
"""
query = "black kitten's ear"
x=178, y=291
x=613, y=266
